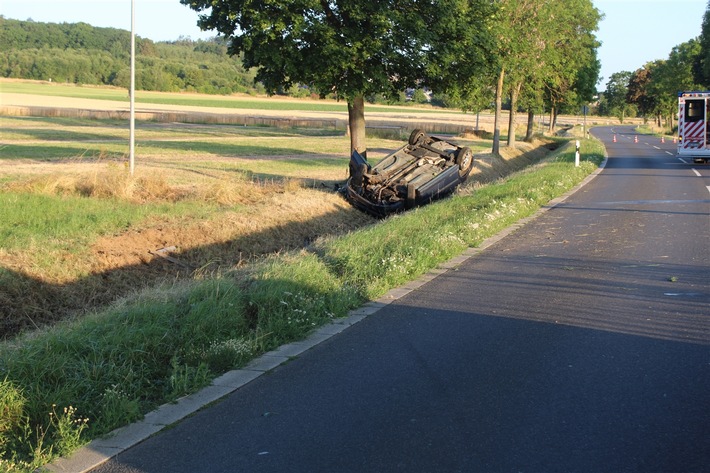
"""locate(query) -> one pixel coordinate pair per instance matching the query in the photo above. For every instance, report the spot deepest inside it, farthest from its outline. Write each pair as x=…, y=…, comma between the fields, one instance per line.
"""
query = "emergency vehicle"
x=694, y=126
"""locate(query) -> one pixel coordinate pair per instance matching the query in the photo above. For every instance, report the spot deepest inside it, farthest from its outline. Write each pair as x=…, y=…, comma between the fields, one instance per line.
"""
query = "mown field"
x=244, y=102
x=119, y=293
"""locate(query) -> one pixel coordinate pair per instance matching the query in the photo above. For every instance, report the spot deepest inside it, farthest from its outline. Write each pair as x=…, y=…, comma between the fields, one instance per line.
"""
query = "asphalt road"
x=579, y=343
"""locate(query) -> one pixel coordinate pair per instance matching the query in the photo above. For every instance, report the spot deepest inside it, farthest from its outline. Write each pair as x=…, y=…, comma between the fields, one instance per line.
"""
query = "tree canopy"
x=546, y=51
x=615, y=96
x=701, y=67
x=654, y=88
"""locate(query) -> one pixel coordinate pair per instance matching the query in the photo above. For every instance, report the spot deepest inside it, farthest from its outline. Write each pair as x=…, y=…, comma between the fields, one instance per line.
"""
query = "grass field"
x=196, y=100
x=228, y=242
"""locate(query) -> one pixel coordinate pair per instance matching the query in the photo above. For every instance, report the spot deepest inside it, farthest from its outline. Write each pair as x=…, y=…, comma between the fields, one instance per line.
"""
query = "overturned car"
x=421, y=171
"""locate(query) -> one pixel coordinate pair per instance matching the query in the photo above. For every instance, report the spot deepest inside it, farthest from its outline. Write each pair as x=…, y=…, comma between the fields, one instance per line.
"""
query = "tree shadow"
x=53, y=154
x=50, y=135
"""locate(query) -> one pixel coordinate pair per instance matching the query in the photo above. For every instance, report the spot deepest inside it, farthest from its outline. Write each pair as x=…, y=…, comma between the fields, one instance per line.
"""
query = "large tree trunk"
x=553, y=119
x=499, y=106
x=531, y=127
x=356, y=125
x=514, y=92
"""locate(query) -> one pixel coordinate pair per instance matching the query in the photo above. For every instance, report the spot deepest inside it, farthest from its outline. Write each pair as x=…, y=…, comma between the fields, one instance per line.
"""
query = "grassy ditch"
x=62, y=386
x=78, y=232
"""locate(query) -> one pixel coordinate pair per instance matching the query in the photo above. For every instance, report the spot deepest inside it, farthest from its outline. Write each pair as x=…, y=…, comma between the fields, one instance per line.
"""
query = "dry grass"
x=148, y=185
x=489, y=167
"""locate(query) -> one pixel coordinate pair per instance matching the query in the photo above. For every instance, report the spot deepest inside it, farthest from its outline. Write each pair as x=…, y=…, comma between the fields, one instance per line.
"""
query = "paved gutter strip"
x=101, y=450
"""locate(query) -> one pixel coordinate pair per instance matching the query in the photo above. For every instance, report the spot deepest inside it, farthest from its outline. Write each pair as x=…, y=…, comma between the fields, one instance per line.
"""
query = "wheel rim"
x=465, y=163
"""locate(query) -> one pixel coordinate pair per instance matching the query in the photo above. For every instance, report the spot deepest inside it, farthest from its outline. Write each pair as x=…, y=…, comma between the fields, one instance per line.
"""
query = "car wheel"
x=464, y=158
x=417, y=137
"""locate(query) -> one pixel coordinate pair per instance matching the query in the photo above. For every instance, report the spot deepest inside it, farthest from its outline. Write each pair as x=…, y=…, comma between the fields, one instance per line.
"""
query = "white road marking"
x=696, y=172
x=683, y=160
x=656, y=147
x=668, y=152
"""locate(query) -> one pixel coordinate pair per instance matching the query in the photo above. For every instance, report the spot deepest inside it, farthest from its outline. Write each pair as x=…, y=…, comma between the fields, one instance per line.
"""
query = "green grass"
x=27, y=221
x=50, y=225
x=114, y=366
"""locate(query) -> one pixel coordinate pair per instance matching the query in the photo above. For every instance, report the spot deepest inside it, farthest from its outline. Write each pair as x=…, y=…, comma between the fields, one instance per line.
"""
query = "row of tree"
x=652, y=91
x=532, y=53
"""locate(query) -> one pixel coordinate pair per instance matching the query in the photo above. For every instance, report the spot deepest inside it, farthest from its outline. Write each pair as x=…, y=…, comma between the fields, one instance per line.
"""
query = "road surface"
x=579, y=343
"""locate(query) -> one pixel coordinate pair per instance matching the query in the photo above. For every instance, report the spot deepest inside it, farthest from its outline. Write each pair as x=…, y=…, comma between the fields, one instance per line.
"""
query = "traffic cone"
x=663, y=139
x=614, y=138
x=674, y=139
x=636, y=139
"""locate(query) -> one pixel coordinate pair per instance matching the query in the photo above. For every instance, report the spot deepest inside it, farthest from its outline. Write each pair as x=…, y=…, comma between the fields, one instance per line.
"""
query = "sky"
x=632, y=33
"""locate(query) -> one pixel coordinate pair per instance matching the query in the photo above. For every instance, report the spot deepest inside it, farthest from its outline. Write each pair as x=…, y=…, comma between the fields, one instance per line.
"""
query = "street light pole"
x=132, y=92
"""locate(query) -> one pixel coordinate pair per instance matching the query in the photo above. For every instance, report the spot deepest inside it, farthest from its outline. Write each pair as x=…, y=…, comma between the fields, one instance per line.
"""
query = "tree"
x=543, y=47
x=513, y=37
x=466, y=62
x=349, y=48
x=419, y=96
x=587, y=79
x=617, y=88
x=530, y=24
x=572, y=56
x=638, y=92
x=702, y=62
x=673, y=75
x=80, y=53
x=681, y=60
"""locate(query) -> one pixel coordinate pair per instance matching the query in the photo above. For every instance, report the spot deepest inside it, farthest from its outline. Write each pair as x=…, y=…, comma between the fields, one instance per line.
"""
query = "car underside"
x=423, y=170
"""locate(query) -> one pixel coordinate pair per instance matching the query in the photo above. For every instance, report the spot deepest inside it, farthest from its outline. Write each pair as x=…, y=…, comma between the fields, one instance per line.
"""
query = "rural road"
x=579, y=343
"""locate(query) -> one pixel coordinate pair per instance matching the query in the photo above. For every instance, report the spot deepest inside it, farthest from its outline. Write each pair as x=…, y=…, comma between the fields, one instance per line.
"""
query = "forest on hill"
x=79, y=53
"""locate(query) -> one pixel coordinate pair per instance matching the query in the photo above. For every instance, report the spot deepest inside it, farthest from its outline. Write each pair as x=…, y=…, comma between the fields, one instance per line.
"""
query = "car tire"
x=464, y=159
x=417, y=137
